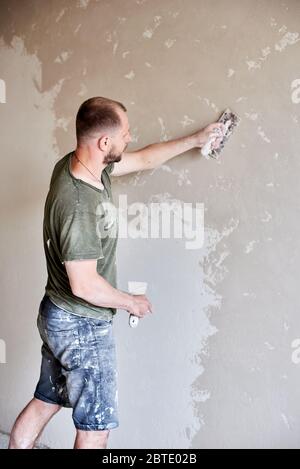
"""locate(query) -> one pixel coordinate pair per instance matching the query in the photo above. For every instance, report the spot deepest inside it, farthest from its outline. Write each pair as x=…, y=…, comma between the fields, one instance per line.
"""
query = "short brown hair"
x=95, y=115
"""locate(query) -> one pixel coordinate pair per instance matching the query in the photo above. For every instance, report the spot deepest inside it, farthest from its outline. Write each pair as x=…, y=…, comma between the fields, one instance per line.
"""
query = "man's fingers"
x=145, y=308
x=219, y=131
x=217, y=142
x=218, y=128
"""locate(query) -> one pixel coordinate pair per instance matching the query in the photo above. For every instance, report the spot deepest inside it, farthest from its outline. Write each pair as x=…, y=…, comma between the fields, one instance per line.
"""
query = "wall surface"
x=217, y=365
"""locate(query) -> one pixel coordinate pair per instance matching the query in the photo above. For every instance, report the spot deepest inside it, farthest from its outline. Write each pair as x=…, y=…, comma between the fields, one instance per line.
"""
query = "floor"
x=3, y=441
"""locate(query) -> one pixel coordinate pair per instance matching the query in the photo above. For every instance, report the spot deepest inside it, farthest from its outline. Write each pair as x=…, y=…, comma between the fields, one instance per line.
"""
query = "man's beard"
x=112, y=157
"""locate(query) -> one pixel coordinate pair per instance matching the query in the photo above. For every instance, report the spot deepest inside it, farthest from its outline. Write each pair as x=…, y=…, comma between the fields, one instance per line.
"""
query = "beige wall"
x=217, y=365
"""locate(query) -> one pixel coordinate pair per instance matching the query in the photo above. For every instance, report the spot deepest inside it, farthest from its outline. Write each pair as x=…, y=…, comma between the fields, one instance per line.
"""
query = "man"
x=81, y=297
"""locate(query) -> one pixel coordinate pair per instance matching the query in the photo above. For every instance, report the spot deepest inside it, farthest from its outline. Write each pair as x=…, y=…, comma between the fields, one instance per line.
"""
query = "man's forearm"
x=157, y=154
x=100, y=293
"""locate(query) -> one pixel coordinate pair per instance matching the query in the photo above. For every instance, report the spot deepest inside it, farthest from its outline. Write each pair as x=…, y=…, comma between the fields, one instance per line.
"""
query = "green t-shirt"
x=78, y=225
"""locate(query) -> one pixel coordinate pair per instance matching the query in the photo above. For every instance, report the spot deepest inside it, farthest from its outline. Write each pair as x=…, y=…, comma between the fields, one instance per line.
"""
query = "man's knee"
x=91, y=439
x=93, y=434
x=46, y=408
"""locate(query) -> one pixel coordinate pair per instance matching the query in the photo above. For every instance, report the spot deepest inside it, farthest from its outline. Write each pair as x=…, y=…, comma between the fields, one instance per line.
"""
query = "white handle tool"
x=230, y=120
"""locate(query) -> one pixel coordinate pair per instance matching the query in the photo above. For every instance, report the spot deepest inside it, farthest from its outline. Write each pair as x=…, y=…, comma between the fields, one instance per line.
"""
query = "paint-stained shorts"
x=78, y=366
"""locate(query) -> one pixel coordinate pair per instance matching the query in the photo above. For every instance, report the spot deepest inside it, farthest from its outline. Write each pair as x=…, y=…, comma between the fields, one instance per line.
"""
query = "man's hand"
x=140, y=306
x=203, y=135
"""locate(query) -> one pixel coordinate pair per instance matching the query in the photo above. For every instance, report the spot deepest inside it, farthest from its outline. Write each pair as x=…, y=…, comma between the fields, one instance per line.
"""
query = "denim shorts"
x=78, y=366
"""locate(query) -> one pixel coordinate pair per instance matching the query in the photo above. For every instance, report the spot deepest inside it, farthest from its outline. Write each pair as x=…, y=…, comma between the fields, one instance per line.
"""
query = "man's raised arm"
x=156, y=154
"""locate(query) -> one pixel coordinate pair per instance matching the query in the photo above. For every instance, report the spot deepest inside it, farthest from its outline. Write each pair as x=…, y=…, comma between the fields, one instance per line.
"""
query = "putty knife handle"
x=133, y=320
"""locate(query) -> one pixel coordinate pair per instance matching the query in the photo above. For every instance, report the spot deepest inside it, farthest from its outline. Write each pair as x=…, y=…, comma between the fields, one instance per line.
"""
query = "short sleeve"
x=79, y=237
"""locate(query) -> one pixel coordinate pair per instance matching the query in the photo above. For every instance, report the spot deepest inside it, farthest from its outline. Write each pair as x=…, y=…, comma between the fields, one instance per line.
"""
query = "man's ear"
x=104, y=143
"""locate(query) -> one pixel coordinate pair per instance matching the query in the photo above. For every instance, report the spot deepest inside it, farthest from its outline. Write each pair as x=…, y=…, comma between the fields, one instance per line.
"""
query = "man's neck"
x=86, y=156
x=82, y=159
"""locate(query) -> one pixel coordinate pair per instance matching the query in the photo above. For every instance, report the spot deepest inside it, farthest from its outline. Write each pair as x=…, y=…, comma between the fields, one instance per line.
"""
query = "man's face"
x=120, y=141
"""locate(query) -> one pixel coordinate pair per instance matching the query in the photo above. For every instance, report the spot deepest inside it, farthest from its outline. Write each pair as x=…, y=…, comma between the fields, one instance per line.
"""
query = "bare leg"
x=91, y=439
x=30, y=424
